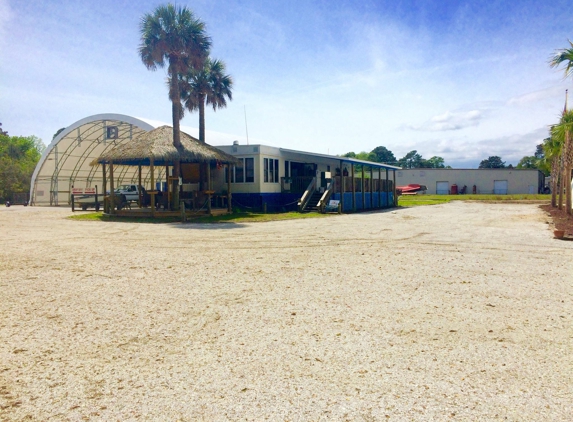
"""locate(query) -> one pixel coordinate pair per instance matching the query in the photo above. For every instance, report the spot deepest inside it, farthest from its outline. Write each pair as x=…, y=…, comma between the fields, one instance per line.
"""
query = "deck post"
x=208, y=165
x=394, y=197
x=140, y=195
x=111, y=189
x=362, y=189
x=229, y=208
x=104, y=181
x=152, y=199
x=387, y=191
x=379, y=187
x=371, y=187
x=341, y=186
x=353, y=187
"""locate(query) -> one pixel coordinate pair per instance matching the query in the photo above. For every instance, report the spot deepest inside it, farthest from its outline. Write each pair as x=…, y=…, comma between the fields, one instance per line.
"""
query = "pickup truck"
x=131, y=193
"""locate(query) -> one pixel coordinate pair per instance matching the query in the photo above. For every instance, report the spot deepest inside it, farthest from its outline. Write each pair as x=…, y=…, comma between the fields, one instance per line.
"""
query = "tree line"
x=411, y=160
x=18, y=158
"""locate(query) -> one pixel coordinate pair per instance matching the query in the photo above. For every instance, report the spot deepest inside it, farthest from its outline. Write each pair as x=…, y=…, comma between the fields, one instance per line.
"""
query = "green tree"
x=435, y=163
x=551, y=158
x=411, y=160
x=493, y=162
x=18, y=158
x=383, y=155
x=563, y=133
x=172, y=36
x=528, y=162
x=208, y=85
x=564, y=55
x=2, y=132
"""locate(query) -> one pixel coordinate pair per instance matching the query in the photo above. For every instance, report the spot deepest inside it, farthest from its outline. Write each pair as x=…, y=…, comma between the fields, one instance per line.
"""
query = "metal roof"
x=344, y=159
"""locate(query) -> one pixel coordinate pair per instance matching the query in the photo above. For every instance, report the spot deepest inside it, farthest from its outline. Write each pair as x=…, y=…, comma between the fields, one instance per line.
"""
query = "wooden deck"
x=161, y=213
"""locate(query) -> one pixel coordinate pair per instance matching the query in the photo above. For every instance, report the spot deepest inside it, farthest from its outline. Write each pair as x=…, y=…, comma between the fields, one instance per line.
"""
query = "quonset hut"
x=66, y=162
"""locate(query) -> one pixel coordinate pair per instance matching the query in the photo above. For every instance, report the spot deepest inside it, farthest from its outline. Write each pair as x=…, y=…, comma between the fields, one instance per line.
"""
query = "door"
x=500, y=187
x=442, y=188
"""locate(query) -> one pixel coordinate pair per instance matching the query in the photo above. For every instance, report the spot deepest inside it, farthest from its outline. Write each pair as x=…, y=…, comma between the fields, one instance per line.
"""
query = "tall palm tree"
x=207, y=85
x=173, y=36
x=564, y=55
x=563, y=133
x=552, y=151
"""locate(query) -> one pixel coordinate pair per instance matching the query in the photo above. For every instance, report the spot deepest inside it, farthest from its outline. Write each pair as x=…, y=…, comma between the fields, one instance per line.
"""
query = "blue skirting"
x=379, y=200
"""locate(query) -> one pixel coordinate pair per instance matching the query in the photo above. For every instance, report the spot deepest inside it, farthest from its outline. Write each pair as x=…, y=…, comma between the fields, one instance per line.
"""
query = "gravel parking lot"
x=460, y=311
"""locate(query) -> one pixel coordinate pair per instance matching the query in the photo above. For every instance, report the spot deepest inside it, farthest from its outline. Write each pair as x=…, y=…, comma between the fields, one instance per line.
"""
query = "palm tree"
x=207, y=85
x=564, y=56
x=563, y=133
x=552, y=151
x=173, y=36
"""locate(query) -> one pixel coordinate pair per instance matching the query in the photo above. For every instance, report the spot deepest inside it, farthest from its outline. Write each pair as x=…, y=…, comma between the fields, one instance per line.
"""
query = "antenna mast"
x=246, y=127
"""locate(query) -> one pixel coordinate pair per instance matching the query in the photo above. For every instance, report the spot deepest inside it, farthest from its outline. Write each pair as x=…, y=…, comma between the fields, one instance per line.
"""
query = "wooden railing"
x=326, y=195
x=307, y=195
x=295, y=184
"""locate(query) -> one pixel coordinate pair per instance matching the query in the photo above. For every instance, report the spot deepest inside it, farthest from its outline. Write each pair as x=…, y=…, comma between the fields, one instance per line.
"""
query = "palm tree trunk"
x=202, y=118
x=175, y=96
x=554, y=177
x=568, y=189
x=560, y=187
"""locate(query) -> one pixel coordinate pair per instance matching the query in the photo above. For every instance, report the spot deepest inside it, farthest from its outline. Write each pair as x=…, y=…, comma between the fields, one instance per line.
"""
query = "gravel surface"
x=460, y=311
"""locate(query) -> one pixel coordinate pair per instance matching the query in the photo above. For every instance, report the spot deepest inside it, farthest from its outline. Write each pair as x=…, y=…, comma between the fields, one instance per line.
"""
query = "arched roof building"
x=66, y=162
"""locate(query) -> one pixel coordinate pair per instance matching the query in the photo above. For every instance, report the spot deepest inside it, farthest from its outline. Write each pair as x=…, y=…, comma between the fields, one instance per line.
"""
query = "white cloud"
x=6, y=15
x=451, y=120
x=537, y=96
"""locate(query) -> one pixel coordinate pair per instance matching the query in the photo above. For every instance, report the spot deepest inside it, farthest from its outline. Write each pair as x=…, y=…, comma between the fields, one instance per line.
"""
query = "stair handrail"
x=303, y=201
x=326, y=196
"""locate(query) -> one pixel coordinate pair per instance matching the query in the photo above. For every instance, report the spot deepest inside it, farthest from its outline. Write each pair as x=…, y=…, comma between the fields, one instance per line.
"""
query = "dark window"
x=249, y=170
x=239, y=173
x=276, y=171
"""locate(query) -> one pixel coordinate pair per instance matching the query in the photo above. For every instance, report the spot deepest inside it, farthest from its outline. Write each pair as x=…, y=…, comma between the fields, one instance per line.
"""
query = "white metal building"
x=484, y=181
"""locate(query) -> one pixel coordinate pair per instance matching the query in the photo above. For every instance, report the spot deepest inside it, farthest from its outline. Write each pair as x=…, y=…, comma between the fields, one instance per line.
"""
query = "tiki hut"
x=155, y=148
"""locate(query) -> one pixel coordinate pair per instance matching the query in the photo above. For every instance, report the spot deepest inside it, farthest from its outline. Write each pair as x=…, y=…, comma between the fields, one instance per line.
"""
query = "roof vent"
x=235, y=142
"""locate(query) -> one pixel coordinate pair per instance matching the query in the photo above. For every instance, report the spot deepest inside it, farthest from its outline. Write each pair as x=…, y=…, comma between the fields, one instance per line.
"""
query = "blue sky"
x=461, y=80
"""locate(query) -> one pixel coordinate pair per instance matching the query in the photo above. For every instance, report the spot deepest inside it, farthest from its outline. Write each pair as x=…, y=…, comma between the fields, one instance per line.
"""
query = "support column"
x=353, y=187
x=387, y=191
x=362, y=189
x=111, y=189
x=152, y=171
x=140, y=200
x=371, y=188
x=379, y=187
x=341, y=187
x=229, y=208
x=104, y=192
x=208, y=165
x=394, y=197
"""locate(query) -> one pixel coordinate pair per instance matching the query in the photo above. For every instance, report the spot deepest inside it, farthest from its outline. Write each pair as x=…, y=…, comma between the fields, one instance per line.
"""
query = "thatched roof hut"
x=157, y=146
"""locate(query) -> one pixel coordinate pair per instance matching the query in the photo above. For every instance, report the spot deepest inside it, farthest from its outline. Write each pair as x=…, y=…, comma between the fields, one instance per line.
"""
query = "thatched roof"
x=157, y=145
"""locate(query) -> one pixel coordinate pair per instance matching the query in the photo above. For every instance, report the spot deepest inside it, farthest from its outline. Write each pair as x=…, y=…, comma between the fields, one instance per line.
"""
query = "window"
x=287, y=168
x=266, y=170
x=276, y=171
x=243, y=172
x=271, y=169
x=239, y=171
x=249, y=170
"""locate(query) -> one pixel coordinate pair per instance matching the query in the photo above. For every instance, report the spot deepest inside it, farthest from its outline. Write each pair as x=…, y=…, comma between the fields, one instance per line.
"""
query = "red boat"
x=411, y=189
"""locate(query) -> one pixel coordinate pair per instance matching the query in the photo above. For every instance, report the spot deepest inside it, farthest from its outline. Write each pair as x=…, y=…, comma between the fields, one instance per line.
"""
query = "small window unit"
x=243, y=171
x=271, y=170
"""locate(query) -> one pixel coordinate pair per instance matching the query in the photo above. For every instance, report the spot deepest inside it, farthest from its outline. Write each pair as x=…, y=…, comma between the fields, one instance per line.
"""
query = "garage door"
x=442, y=188
x=500, y=187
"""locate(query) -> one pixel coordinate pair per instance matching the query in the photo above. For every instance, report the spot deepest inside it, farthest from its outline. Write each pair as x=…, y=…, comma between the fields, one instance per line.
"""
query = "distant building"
x=479, y=181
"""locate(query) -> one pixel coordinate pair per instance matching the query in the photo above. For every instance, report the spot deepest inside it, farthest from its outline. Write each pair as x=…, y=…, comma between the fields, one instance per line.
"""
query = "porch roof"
x=344, y=159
